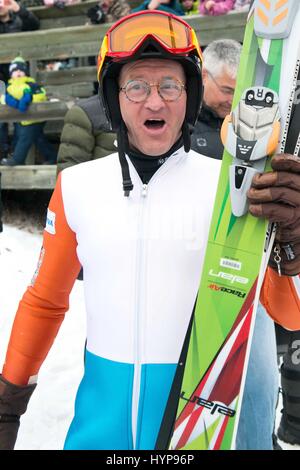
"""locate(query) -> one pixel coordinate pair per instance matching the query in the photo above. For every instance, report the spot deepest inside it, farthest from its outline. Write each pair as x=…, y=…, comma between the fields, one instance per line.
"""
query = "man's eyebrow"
x=142, y=77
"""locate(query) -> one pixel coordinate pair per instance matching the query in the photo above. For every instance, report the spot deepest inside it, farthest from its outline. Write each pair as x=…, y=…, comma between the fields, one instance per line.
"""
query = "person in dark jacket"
x=14, y=18
x=221, y=60
x=86, y=134
x=108, y=11
x=170, y=6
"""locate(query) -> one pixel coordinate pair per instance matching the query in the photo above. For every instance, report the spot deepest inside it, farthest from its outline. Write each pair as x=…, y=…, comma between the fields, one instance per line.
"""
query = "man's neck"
x=147, y=165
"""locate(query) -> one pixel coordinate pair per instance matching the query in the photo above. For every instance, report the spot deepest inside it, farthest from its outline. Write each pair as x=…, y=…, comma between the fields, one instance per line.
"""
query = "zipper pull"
x=144, y=190
x=277, y=257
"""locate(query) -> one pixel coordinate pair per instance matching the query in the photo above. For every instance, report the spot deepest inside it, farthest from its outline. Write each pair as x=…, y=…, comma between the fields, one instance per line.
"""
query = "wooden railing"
x=38, y=111
x=27, y=177
x=70, y=15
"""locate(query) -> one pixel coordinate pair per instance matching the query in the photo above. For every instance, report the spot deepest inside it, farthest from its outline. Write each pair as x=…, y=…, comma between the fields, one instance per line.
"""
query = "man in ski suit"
x=141, y=245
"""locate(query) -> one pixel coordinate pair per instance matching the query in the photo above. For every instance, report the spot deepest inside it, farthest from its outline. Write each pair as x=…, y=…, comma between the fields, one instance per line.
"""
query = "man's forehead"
x=144, y=65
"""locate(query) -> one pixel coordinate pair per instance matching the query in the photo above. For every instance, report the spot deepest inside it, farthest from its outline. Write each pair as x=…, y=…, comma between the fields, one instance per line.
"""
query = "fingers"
x=286, y=173
x=281, y=194
x=275, y=212
x=280, y=178
x=286, y=162
x=290, y=233
x=276, y=197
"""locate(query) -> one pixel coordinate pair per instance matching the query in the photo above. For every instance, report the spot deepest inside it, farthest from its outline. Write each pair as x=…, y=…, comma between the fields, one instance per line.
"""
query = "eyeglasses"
x=169, y=89
x=223, y=89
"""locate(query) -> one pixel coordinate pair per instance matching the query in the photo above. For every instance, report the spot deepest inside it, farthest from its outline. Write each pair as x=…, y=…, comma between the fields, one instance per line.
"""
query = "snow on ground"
x=50, y=410
x=46, y=421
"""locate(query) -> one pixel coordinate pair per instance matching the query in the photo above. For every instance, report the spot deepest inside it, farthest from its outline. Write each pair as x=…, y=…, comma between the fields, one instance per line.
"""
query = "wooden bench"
x=27, y=177
x=70, y=15
x=38, y=111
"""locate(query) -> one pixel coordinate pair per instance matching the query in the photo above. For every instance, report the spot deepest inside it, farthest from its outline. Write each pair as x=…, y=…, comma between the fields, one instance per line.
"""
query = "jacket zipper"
x=139, y=306
x=138, y=312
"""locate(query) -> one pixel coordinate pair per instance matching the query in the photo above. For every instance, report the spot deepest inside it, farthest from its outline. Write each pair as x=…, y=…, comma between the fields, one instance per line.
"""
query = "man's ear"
x=204, y=75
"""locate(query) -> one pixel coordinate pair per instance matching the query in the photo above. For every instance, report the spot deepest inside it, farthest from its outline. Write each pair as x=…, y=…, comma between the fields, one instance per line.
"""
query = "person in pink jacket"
x=216, y=7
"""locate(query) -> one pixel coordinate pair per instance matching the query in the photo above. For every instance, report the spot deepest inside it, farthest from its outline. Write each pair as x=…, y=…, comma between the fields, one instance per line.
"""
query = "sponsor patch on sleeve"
x=50, y=222
x=41, y=257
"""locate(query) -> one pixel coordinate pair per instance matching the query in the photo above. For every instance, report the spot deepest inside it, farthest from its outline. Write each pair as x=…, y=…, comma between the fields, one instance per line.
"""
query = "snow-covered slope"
x=50, y=410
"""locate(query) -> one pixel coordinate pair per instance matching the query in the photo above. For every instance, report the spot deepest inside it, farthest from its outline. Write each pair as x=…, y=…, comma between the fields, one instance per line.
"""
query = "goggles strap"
x=121, y=138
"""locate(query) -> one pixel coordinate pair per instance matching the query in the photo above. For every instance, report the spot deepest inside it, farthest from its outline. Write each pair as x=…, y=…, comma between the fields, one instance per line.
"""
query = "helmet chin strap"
x=123, y=144
x=186, y=136
x=122, y=140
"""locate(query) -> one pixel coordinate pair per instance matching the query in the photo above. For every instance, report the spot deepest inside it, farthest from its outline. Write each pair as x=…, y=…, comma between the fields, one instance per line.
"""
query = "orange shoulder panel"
x=43, y=306
x=281, y=297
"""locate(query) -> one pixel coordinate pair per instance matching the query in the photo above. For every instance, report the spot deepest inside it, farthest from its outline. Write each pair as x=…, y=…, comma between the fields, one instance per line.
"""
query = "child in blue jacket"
x=21, y=91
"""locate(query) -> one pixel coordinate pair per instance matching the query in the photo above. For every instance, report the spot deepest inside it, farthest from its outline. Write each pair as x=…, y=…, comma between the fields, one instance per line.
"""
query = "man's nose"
x=229, y=99
x=154, y=100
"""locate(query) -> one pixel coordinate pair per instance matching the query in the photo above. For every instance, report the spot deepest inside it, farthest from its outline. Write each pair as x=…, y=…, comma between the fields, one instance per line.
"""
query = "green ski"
x=204, y=404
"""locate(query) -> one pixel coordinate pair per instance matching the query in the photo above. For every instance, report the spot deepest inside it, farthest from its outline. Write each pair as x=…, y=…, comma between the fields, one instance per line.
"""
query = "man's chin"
x=152, y=152
x=153, y=149
x=223, y=112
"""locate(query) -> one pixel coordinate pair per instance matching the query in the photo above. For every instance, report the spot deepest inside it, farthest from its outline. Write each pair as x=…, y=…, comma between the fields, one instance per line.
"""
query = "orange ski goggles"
x=126, y=36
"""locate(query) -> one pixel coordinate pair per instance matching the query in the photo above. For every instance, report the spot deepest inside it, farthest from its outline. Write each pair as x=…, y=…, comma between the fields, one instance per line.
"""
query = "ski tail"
x=167, y=424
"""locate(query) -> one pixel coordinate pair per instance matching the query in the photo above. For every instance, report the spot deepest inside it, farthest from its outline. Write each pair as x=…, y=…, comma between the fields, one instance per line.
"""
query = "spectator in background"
x=190, y=7
x=220, y=64
x=242, y=5
x=170, y=6
x=60, y=3
x=21, y=91
x=108, y=11
x=14, y=18
x=216, y=7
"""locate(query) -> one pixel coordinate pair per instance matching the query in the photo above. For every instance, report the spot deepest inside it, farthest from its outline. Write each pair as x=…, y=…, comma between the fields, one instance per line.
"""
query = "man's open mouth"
x=154, y=123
